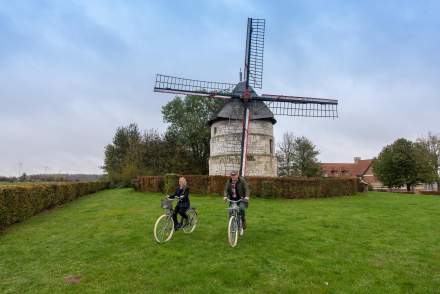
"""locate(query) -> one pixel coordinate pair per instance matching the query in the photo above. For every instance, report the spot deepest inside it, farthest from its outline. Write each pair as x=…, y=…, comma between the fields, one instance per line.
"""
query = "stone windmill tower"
x=242, y=131
x=226, y=137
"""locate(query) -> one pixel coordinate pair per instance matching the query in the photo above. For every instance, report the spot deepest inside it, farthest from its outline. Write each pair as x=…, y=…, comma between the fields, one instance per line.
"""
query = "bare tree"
x=297, y=156
x=285, y=154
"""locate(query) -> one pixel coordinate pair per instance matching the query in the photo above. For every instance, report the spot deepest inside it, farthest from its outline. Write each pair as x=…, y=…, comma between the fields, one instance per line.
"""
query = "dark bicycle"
x=164, y=227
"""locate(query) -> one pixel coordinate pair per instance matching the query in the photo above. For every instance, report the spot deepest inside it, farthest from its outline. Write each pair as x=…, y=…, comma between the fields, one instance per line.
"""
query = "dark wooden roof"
x=233, y=108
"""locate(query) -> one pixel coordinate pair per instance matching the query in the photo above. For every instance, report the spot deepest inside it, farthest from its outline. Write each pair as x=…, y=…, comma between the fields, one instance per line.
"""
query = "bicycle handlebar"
x=236, y=201
x=175, y=198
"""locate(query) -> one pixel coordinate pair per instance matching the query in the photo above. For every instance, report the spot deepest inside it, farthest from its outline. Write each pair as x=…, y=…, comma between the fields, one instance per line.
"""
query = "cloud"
x=72, y=72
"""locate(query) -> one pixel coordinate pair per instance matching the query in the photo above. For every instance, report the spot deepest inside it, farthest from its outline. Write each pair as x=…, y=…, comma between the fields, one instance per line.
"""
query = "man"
x=237, y=188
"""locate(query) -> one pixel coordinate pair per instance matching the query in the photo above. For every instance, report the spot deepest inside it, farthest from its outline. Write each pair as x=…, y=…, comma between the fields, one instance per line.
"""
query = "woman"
x=183, y=204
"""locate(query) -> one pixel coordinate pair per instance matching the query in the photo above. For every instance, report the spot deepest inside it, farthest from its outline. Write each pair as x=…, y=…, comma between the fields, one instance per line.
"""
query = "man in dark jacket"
x=237, y=188
x=182, y=192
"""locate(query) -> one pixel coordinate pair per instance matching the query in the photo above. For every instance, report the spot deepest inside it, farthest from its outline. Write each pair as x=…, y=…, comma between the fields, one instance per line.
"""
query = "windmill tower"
x=242, y=131
x=226, y=137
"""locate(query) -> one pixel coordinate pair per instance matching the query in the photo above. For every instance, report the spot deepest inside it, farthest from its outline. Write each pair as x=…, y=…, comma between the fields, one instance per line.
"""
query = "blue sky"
x=71, y=72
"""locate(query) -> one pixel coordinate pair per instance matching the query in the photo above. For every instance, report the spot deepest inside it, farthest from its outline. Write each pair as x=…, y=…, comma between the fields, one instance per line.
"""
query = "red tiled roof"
x=353, y=169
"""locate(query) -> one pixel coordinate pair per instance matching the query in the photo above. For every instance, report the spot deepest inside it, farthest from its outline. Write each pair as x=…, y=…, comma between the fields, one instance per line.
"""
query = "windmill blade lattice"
x=244, y=132
x=170, y=84
x=303, y=109
x=300, y=106
x=254, y=56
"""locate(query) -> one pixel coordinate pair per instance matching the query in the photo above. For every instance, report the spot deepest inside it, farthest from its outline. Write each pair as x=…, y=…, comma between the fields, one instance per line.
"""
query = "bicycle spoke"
x=163, y=229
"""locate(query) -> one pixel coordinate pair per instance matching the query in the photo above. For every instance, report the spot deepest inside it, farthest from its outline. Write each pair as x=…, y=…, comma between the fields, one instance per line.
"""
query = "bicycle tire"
x=232, y=231
x=193, y=219
x=163, y=228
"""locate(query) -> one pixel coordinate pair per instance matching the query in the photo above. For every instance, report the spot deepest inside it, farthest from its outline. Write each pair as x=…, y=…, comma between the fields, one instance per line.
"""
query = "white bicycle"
x=164, y=227
x=235, y=225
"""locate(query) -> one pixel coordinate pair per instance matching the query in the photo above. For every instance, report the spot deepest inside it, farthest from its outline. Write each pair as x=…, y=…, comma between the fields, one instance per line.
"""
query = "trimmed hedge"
x=271, y=187
x=19, y=202
x=394, y=191
x=429, y=192
x=149, y=184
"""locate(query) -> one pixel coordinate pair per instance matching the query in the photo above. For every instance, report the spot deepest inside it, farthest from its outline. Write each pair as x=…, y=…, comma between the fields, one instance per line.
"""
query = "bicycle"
x=164, y=227
x=235, y=225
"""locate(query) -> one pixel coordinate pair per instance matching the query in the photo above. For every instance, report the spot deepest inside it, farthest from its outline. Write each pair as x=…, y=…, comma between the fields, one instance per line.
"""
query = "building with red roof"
x=361, y=168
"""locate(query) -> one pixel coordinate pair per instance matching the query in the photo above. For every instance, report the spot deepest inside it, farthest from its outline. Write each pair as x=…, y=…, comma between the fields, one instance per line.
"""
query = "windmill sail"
x=170, y=84
x=242, y=130
x=300, y=106
x=254, y=52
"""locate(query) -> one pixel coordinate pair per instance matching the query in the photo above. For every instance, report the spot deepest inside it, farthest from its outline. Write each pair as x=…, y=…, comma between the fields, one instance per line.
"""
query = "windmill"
x=243, y=104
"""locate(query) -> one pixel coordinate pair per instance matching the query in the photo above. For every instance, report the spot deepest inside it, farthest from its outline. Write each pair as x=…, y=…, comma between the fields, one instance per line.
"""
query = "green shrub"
x=171, y=181
x=19, y=202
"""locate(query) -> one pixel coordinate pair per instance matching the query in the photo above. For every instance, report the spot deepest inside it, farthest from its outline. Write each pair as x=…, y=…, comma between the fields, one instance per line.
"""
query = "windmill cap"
x=234, y=108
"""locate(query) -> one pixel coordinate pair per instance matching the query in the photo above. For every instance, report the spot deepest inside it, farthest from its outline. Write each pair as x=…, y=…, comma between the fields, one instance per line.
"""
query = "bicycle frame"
x=170, y=211
x=159, y=228
x=234, y=210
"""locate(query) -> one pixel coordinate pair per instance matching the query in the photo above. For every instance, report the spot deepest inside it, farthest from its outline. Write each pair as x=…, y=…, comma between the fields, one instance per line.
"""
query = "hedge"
x=394, y=191
x=429, y=192
x=271, y=187
x=19, y=202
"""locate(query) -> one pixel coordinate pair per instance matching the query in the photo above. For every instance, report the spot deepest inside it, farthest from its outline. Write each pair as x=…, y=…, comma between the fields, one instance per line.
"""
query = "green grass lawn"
x=374, y=243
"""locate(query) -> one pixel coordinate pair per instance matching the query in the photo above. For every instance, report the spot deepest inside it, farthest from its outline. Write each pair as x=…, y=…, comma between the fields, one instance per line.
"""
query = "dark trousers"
x=180, y=210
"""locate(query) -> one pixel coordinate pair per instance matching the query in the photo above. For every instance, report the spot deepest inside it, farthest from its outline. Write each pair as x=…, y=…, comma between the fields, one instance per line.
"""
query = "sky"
x=71, y=72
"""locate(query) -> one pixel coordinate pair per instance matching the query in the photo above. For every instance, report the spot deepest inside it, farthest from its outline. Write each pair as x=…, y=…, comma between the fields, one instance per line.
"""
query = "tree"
x=188, y=126
x=426, y=164
x=162, y=154
x=404, y=163
x=123, y=158
x=432, y=143
x=297, y=157
x=132, y=154
x=285, y=154
x=23, y=177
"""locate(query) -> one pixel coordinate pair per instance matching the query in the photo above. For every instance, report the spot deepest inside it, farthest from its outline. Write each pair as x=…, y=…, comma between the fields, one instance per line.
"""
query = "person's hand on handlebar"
x=225, y=199
x=246, y=198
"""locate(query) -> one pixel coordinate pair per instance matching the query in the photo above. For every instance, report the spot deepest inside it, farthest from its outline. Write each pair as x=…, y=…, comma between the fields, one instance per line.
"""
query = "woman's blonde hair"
x=184, y=180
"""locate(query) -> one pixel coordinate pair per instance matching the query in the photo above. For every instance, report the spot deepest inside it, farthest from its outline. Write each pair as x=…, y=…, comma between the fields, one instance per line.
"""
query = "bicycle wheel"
x=191, y=224
x=163, y=228
x=232, y=231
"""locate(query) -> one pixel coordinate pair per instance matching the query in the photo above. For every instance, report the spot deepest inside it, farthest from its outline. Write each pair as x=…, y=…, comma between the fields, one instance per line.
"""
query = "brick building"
x=361, y=168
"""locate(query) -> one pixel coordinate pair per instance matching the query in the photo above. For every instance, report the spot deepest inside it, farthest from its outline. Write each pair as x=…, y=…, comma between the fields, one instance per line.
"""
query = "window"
x=215, y=130
x=270, y=146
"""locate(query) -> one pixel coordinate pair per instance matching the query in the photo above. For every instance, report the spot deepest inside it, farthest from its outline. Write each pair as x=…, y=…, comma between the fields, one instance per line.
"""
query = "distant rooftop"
x=358, y=168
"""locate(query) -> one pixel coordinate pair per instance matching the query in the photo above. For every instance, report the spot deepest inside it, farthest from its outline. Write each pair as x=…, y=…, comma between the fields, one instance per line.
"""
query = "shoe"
x=177, y=226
